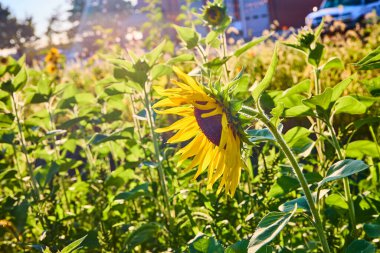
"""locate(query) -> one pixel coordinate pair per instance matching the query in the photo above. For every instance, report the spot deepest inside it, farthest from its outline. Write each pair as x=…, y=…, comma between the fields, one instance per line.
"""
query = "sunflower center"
x=210, y=126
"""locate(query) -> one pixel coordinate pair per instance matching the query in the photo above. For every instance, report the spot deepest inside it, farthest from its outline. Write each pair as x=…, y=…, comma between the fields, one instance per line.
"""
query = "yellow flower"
x=51, y=68
x=215, y=143
x=53, y=55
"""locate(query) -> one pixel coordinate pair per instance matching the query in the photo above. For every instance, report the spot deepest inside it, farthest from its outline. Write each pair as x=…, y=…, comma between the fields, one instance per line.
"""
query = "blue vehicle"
x=349, y=12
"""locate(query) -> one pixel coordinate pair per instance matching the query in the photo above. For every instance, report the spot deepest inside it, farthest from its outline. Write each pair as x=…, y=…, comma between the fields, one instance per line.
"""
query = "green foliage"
x=79, y=157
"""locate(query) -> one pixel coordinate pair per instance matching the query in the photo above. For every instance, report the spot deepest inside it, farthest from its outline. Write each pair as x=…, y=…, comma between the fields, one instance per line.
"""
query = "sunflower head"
x=3, y=60
x=53, y=55
x=215, y=15
x=208, y=129
x=51, y=68
x=305, y=37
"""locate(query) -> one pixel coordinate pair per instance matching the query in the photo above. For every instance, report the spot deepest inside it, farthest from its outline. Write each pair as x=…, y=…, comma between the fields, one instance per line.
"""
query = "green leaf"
x=143, y=234
x=315, y=55
x=153, y=55
x=20, y=79
x=73, y=246
x=360, y=246
x=372, y=230
x=268, y=228
x=370, y=61
x=160, y=70
x=180, y=58
x=373, y=86
x=336, y=201
x=263, y=85
x=334, y=62
x=340, y=88
x=7, y=137
x=301, y=202
x=204, y=244
x=349, y=105
x=319, y=30
x=187, y=35
x=299, y=110
x=102, y=138
x=138, y=191
x=259, y=135
x=250, y=44
x=283, y=185
x=302, y=87
x=238, y=247
x=358, y=149
x=343, y=169
x=323, y=100
x=216, y=63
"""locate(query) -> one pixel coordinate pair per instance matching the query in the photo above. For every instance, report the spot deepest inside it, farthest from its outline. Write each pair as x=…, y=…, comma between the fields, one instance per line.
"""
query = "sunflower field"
x=201, y=145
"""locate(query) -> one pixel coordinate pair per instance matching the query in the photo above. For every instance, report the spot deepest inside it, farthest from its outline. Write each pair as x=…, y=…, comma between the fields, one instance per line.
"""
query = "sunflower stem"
x=157, y=152
x=35, y=190
x=346, y=183
x=301, y=178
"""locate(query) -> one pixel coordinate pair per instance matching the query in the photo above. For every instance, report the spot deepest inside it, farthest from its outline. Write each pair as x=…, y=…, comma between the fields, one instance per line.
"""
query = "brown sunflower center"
x=210, y=126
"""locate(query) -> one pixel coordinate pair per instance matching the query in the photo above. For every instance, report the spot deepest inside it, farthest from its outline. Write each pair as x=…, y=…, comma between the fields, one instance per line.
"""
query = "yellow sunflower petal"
x=179, y=124
x=187, y=79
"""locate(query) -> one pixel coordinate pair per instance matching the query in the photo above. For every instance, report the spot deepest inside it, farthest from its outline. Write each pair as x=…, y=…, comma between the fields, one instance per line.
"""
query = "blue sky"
x=40, y=10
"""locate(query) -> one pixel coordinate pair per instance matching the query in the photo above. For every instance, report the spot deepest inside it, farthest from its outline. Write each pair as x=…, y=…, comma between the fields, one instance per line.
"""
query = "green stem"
x=346, y=183
x=53, y=127
x=319, y=128
x=301, y=178
x=157, y=152
x=36, y=193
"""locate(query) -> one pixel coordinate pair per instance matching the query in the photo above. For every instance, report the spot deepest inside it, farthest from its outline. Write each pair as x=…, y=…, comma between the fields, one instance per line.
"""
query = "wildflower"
x=214, y=140
x=52, y=56
x=4, y=60
x=215, y=14
x=51, y=68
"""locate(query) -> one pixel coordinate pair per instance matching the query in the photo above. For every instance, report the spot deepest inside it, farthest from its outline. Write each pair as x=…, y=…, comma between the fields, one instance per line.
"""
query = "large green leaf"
x=333, y=62
x=349, y=105
x=250, y=44
x=336, y=201
x=340, y=88
x=360, y=246
x=238, y=247
x=301, y=202
x=258, y=135
x=268, y=228
x=315, y=55
x=373, y=86
x=370, y=61
x=136, y=192
x=263, y=85
x=302, y=87
x=343, y=169
x=20, y=79
x=283, y=185
x=322, y=100
x=372, y=230
x=143, y=234
x=153, y=55
x=188, y=35
x=73, y=246
x=204, y=244
x=361, y=148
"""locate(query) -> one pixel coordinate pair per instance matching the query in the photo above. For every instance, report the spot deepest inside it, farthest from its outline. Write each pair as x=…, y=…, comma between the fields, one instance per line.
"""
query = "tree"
x=13, y=33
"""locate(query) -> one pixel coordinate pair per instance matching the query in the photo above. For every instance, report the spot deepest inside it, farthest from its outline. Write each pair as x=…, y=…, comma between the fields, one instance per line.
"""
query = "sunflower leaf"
x=269, y=227
x=260, y=87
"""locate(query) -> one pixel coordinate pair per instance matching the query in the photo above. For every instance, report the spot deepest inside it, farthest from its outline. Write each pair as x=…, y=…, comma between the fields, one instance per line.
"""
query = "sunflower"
x=213, y=143
x=215, y=14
